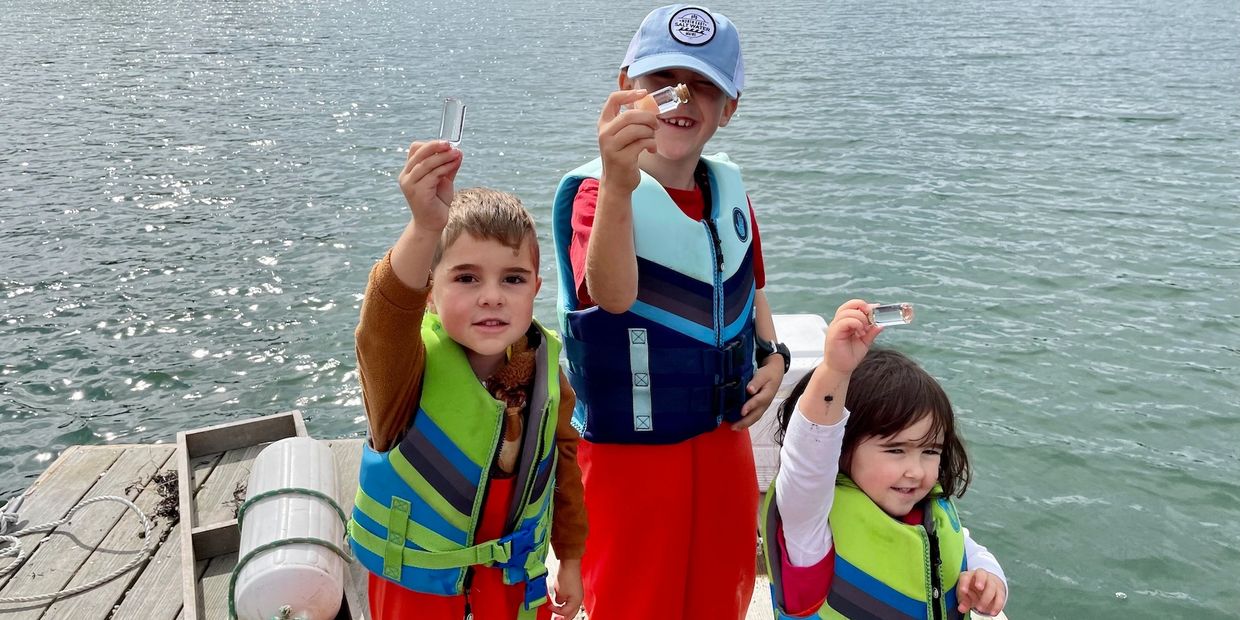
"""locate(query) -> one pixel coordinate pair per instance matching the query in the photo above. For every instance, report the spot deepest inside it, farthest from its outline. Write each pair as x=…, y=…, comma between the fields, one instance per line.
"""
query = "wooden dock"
x=105, y=536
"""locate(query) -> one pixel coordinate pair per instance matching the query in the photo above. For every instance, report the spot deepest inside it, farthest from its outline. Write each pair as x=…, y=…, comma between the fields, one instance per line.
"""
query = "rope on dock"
x=16, y=548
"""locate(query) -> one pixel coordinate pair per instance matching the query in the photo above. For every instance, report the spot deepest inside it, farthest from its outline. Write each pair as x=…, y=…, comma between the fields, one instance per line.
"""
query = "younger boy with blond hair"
x=469, y=415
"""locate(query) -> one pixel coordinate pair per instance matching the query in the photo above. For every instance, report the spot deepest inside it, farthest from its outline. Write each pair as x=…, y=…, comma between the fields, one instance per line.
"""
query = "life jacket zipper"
x=486, y=471
x=486, y=489
x=936, y=577
x=469, y=579
x=701, y=176
x=717, y=294
x=527, y=486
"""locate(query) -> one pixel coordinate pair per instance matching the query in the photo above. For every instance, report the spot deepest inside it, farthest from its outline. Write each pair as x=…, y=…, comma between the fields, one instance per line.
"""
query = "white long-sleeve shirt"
x=805, y=490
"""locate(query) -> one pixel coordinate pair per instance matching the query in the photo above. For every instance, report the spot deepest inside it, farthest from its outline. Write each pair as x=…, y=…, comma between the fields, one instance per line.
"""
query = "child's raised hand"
x=426, y=180
x=622, y=136
x=980, y=591
x=849, y=337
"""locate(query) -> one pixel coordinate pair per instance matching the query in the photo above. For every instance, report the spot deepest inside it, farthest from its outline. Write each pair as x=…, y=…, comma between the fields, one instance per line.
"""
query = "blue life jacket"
x=676, y=364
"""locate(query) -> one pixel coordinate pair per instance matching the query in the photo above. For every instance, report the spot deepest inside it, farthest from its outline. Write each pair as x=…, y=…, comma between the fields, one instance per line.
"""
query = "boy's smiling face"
x=484, y=295
x=682, y=134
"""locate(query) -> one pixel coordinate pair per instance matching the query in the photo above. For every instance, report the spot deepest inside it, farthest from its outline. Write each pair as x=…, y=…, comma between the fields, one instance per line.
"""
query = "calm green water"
x=191, y=195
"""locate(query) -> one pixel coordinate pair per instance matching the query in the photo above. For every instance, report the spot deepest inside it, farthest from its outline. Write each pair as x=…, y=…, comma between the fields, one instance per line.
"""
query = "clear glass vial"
x=891, y=314
x=669, y=98
x=452, y=126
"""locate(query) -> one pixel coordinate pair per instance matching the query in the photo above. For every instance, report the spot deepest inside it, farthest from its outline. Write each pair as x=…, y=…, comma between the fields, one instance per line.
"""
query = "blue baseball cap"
x=683, y=36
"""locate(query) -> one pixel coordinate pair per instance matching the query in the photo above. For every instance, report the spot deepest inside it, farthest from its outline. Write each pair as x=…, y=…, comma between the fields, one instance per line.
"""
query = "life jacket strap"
x=492, y=552
x=610, y=360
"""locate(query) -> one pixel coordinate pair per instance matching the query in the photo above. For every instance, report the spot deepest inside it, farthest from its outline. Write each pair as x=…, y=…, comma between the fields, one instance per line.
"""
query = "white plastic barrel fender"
x=306, y=577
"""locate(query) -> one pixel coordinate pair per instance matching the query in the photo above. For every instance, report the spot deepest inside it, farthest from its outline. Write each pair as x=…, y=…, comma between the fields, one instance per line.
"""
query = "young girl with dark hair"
x=859, y=522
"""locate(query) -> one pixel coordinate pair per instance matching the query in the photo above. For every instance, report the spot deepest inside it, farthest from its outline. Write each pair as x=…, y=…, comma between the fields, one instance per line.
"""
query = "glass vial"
x=669, y=98
x=453, y=124
x=891, y=314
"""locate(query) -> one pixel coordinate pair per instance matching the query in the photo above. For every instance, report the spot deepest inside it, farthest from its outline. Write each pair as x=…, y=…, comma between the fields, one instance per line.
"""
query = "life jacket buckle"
x=727, y=399
x=521, y=543
x=730, y=358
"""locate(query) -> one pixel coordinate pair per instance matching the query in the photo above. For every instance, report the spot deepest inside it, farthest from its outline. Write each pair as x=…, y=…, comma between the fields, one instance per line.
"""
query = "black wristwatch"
x=765, y=348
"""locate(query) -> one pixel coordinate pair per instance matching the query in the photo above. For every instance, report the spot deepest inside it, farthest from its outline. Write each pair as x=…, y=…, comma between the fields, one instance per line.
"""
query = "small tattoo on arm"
x=829, y=398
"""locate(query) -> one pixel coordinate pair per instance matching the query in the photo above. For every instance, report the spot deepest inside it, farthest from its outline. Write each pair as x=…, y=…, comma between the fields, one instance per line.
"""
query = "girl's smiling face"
x=897, y=471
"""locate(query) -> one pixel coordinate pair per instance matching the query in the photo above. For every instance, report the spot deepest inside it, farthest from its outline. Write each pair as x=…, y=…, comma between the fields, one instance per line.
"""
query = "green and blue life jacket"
x=883, y=568
x=675, y=365
x=419, y=504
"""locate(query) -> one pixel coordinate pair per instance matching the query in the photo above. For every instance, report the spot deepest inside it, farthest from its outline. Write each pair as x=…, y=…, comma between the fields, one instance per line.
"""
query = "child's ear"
x=729, y=109
x=846, y=464
x=430, y=299
x=537, y=284
x=623, y=80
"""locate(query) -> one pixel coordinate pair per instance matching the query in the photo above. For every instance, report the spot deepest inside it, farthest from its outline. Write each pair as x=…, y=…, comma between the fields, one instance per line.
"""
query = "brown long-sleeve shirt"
x=391, y=359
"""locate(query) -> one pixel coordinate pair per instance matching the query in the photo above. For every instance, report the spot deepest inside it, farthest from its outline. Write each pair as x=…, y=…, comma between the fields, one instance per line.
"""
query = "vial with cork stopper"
x=891, y=314
x=665, y=99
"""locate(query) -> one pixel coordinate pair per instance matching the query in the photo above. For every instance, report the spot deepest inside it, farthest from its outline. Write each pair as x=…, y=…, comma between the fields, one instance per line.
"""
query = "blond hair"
x=489, y=214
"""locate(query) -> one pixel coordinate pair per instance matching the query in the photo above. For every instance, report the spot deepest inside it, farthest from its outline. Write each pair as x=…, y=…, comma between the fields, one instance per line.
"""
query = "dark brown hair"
x=489, y=214
x=887, y=393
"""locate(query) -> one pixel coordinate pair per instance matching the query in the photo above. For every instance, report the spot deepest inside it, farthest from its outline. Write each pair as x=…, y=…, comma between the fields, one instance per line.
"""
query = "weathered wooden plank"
x=232, y=437
x=50, y=498
x=187, y=488
x=214, y=584
x=157, y=594
x=348, y=454
x=216, y=539
x=58, y=489
x=209, y=530
x=235, y=435
x=218, y=497
x=760, y=605
x=119, y=546
x=216, y=502
x=56, y=561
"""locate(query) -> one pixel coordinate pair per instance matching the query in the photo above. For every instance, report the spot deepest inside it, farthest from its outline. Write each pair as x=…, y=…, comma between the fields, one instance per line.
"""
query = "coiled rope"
x=9, y=518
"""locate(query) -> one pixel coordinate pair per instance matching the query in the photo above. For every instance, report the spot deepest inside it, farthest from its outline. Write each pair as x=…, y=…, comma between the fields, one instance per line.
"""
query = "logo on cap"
x=692, y=26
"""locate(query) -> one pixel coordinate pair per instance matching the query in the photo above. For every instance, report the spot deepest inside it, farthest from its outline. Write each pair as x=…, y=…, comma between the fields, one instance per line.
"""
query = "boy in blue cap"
x=661, y=306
